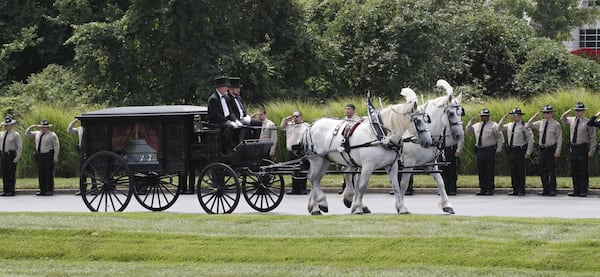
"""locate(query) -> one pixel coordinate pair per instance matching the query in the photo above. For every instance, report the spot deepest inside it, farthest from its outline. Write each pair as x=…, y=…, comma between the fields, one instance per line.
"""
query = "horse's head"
x=453, y=110
x=420, y=126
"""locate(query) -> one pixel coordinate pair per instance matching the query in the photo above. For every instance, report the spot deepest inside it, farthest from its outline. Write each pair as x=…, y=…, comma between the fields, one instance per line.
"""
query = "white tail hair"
x=410, y=95
x=443, y=83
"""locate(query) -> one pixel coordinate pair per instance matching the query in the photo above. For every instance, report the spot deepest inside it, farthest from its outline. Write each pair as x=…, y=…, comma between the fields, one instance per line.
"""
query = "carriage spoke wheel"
x=156, y=191
x=263, y=192
x=218, y=189
x=105, y=182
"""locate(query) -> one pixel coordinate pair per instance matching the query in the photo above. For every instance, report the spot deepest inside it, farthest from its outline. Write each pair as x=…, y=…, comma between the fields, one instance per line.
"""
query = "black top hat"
x=547, y=109
x=45, y=123
x=8, y=121
x=517, y=111
x=235, y=82
x=485, y=112
x=350, y=105
x=580, y=106
x=221, y=81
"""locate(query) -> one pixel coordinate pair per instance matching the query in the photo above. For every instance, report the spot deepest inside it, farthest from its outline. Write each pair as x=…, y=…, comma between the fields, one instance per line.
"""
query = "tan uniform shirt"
x=491, y=135
x=585, y=134
x=523, y=136
x=13, y=143
x=553, y=135
x=49, y=141
x=268, y=132
x=293, y=132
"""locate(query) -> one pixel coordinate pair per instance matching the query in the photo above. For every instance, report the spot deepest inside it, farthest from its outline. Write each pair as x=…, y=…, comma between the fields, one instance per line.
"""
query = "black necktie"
x=481, y=133
x=512, y=134
x=544, y=134
x=575, y=131
x=4, y=142
x=40, y=143
x=239, y=101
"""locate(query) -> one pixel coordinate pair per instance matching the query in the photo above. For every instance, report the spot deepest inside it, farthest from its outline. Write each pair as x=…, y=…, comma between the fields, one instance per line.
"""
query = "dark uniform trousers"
x=518, y=167
x=486, y=167
x=9, y=170
x=450, y=172
x=298, y=178
x=547, y=169
x=579, y=168
x=45, y=163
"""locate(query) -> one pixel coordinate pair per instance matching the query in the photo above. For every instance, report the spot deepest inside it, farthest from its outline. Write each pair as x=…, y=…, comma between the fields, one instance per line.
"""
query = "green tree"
x=553, y=19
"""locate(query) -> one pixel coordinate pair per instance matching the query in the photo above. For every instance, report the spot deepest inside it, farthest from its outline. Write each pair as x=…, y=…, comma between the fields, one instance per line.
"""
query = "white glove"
x=245, y=119
x=238, y=124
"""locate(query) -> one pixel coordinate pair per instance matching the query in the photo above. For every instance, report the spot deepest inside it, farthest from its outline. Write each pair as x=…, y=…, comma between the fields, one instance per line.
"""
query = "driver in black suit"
x=220, y=112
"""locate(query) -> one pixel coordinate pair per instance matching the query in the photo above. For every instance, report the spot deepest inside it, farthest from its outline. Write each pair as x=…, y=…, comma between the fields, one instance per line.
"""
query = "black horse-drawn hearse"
x=155, y=153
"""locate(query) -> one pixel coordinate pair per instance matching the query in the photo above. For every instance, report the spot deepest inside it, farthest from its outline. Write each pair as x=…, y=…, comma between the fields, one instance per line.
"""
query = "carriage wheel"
x=105, y=182
x=263, y=192
x=156, y=191
x=218, y=189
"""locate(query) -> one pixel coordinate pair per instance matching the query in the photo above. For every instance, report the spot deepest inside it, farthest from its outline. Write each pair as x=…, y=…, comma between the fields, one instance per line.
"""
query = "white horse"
x=445, y=112
x=323, y=143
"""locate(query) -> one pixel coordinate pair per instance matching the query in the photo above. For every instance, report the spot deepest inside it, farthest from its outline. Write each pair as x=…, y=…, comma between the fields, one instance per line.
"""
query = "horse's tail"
x=306, y=141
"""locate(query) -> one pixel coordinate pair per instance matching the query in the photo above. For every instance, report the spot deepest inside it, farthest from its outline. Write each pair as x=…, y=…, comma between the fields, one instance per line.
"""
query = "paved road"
x=560, y=206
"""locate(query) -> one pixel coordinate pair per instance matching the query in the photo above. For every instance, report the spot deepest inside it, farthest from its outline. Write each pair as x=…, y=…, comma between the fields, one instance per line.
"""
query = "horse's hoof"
x=347, y=203
x=316, y=213
x=325, y=209
x=449, y=210
x=366, y=210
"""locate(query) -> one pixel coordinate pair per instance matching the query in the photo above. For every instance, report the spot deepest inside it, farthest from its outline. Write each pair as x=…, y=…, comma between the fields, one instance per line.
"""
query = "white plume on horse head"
x=410, y=95
x=444, y=84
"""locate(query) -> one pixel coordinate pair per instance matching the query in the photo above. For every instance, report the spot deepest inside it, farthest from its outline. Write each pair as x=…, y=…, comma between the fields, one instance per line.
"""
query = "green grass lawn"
x=166, y=244
x=377, y=181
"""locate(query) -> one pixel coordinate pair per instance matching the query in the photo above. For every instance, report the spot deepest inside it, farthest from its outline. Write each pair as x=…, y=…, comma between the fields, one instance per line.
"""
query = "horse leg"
x=399, y=189
x=363, y=182
x=351, y=179
x=316, y=200
x=444, y=202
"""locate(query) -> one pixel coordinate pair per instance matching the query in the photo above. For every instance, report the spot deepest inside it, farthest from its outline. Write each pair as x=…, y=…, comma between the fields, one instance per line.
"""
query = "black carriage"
x=154, y=153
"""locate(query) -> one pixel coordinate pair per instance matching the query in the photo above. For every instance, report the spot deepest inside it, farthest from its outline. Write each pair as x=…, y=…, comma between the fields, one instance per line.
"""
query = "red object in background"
x=590, y=53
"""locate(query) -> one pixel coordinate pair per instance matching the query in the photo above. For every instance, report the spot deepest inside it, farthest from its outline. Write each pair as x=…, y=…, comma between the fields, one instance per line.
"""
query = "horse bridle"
x=425, y=118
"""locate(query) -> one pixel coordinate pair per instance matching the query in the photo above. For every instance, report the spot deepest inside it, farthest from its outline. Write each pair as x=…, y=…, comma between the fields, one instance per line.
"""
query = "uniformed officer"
x=519, y=146
x=549, y=143
x=583, y=145
x=294, y=126
x=452, y=152
x=488, y=142
x=11, y=148
x=47, y=148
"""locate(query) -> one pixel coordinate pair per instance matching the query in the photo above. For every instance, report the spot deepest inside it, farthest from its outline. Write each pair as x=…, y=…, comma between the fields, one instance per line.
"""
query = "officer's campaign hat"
x=517, y=111
x=547, y=109
x=485, y=112
x=45, y=123
x=8, y=121
x=580, y=106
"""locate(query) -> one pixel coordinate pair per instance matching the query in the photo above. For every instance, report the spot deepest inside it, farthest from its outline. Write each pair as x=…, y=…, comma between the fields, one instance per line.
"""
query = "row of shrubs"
x=561, y=101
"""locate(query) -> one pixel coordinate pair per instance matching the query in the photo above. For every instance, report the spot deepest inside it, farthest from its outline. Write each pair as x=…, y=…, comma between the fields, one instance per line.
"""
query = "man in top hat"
x=488, y=142
x=47, y=148
x=235, y=87
x=11, y=148
x=583, y=145
x=549, y=143
x=519, y=145
x=221, y=113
